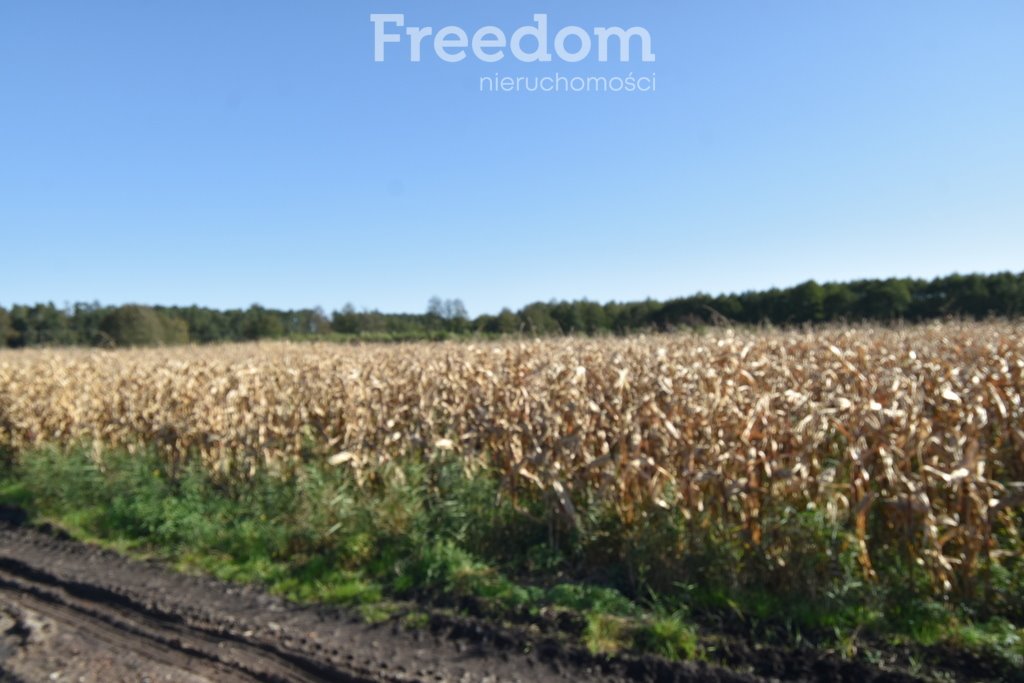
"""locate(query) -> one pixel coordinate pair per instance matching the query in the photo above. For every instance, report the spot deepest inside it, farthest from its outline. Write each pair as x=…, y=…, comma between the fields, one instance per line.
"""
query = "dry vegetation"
x=914, y=438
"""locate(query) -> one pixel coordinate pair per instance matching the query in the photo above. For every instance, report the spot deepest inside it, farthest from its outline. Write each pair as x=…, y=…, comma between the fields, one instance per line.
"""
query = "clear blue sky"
x=239, y=151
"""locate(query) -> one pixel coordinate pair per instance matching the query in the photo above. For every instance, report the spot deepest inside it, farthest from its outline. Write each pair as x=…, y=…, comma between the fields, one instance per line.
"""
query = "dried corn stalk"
x=919, y=430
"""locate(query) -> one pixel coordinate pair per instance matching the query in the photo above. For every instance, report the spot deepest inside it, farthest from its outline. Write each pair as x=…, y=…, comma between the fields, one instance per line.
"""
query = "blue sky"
x=240, y=151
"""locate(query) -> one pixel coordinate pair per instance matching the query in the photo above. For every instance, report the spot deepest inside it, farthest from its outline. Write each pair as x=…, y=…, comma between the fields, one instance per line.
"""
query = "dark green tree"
x=537, y=320
x=345, y=321
x=508, y=322
x=840, y=302
x=132, y=325
x=6, y=331
x=885, y=299
x=40, y=325
x=806, y=302
x=85, y=322
x=261, y=323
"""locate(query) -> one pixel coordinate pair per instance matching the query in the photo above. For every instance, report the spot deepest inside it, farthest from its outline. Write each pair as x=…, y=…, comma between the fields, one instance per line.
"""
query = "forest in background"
x=972, y=296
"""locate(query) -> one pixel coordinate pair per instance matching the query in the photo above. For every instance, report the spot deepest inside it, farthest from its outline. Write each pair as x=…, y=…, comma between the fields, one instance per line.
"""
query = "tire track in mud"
x=90, y=625
x=92, y=612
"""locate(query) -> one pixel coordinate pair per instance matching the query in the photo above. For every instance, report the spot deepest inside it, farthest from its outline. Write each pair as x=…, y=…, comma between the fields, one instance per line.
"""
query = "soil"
x=74, y=612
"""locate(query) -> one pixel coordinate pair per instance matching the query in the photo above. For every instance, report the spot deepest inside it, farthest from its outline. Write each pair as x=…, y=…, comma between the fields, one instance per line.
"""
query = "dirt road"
x=73, y=612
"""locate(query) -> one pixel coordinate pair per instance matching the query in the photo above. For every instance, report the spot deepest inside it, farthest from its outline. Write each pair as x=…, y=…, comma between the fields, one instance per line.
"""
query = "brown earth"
x=74, y=612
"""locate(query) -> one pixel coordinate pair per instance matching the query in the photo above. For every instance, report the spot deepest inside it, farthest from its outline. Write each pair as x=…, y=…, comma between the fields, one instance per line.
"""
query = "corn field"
x=912, y=436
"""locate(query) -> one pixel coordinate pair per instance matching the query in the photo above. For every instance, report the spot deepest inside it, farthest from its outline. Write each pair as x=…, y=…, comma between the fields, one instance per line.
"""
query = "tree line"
x=91, y=324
